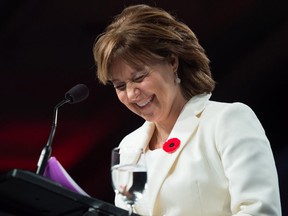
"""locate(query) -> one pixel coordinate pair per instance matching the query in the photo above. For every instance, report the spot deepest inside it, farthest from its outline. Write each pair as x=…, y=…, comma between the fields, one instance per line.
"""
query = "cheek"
x=121, y=96
x=123, y=99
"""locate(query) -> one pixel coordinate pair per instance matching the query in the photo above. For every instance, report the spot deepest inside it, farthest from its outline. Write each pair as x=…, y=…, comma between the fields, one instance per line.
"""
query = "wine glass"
x=129, y=174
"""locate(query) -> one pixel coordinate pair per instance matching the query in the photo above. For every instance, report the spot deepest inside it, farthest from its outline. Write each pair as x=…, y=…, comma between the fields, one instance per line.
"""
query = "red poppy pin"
x=171, y=145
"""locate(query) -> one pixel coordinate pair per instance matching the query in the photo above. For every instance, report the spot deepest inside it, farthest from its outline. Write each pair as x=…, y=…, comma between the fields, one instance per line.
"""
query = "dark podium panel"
x=28, y=194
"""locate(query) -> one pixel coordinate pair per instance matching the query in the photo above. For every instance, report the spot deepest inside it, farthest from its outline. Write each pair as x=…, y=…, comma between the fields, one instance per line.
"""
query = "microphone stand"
x=46, y=151
x=76, y=94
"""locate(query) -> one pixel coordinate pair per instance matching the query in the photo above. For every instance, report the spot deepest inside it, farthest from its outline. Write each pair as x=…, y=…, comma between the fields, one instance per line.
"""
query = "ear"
x=174, y=61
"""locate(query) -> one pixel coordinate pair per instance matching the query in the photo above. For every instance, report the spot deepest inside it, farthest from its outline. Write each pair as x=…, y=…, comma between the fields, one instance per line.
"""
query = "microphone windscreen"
x=77, y=94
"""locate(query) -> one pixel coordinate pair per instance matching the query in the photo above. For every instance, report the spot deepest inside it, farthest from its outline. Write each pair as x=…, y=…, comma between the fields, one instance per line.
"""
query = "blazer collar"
x=192, y=108
x=183, y=129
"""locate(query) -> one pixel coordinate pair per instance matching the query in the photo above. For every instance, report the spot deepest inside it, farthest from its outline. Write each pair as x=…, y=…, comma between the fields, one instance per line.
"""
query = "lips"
x=145, y=102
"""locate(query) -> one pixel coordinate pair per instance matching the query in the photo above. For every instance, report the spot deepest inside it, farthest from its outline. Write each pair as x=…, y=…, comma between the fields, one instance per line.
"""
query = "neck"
x=159, y=137
x=164, y=128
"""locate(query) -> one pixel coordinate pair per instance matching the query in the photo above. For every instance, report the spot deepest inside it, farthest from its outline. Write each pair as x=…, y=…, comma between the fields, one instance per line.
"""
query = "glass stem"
x=130, y=209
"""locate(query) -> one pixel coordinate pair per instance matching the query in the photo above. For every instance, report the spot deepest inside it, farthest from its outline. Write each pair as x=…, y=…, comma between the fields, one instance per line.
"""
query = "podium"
x=25, y=193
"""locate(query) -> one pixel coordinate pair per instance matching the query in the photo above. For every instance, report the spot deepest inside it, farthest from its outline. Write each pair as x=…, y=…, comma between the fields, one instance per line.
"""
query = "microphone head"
x=77, y=94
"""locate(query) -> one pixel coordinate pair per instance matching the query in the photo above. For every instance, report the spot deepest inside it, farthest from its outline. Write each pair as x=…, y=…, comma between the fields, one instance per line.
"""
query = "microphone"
x=75, y=95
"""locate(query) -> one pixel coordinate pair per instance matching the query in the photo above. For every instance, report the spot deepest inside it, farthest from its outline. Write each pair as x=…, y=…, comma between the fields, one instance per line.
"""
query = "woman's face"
x=151, y=92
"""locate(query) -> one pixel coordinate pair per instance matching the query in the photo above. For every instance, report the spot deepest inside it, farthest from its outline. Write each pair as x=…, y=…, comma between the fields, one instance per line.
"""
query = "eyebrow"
x=133, y=73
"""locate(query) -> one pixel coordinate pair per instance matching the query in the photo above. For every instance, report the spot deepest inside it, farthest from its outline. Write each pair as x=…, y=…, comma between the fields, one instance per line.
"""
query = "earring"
x=178, y=80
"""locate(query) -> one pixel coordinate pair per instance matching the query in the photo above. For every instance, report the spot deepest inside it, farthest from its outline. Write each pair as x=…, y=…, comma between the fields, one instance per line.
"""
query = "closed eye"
x=120, y=86
x=141, y=76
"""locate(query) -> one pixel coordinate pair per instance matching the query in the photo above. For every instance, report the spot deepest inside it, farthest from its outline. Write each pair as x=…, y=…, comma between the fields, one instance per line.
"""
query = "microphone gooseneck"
x=76, y=94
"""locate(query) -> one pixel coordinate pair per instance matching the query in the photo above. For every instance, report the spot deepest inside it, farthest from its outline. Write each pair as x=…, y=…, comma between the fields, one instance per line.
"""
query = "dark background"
x=46, y=48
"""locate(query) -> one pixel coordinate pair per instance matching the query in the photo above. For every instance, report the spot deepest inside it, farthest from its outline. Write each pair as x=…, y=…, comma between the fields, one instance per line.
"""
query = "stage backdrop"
x=46, y=48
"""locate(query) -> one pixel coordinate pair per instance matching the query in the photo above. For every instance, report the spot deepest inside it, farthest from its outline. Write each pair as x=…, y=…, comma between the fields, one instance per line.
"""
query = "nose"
x=133, y=91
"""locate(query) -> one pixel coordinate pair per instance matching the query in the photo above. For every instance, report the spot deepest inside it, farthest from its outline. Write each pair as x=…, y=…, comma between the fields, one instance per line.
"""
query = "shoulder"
x=224, y=108
x=223, y=114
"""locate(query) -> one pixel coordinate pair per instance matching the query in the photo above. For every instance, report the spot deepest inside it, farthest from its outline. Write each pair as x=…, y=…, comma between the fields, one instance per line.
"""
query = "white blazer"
x=224, y=165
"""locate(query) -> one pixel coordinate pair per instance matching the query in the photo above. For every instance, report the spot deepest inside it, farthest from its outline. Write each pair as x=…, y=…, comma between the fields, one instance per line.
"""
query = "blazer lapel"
x=184, y=128
x=138, y=139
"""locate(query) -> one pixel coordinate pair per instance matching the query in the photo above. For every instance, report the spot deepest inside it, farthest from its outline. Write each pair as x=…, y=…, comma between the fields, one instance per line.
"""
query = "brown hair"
x=143, y=34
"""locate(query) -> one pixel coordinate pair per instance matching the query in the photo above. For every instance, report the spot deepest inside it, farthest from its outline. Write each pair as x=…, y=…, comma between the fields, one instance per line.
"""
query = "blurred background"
x=46, y=48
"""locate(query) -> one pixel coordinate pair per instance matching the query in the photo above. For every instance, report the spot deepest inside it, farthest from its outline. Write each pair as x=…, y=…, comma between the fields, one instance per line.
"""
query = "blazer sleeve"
x=248, y=162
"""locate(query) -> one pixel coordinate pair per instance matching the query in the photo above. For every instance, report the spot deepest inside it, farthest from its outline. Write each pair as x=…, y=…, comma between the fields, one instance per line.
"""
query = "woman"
x=203, y=157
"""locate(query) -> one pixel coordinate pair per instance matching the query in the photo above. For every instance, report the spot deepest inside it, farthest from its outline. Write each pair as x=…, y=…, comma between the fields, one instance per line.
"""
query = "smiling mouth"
x=144, y=103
